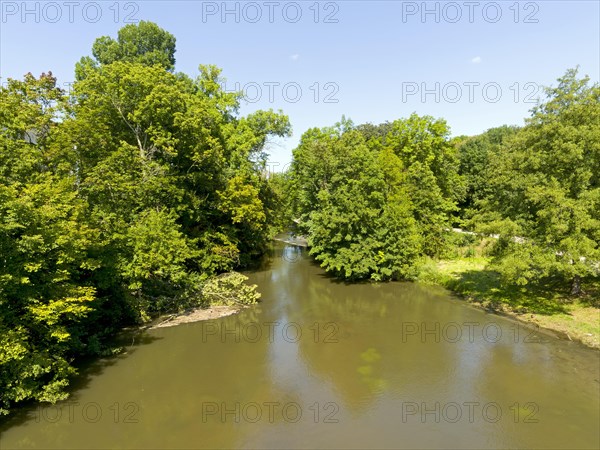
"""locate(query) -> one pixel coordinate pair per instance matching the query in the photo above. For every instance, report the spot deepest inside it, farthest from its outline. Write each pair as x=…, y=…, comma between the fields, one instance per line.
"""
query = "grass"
x=548, y=305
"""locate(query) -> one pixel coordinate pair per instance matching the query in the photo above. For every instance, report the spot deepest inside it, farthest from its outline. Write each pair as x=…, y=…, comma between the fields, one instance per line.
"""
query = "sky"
x=477, y=64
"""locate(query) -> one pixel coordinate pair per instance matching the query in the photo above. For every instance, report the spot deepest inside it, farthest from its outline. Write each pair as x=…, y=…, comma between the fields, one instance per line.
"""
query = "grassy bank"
x=468, y=274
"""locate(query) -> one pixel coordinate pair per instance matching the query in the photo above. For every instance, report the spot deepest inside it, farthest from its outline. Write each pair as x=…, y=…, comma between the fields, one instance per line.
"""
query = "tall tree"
x=143, y=43
x=546, y=189
x=475, y=155
x=352, y=202
x=432, y=180
x=46, y=247
x=120, y=202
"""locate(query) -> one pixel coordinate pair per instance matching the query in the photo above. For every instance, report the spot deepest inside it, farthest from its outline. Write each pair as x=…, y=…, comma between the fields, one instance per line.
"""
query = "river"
x=320, y=363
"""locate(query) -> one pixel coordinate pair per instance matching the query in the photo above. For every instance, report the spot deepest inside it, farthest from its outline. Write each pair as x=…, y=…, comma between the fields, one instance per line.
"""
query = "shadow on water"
x=263, y=262
x=331, y=278
x=129, y=340
x=276, y=250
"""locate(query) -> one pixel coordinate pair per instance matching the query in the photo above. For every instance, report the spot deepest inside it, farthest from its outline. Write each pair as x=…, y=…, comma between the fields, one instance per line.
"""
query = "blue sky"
x=477, y=64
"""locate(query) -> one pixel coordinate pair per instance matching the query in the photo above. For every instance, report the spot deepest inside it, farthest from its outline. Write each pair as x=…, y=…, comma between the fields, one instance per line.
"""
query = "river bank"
x=195, y=315
x=550, y=310
x=554, y=311
x=316, y=350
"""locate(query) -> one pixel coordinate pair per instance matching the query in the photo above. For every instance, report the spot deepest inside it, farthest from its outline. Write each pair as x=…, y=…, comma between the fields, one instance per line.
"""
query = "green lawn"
x=549, y=306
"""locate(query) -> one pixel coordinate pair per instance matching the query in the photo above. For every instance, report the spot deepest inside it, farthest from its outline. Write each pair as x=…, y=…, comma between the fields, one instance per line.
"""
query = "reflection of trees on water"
x=370, y=370
x=370, y=357
x=543, y=386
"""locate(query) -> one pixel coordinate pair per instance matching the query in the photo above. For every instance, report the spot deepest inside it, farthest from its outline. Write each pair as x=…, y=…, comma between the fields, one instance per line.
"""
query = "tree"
x=431, y=164
x=46, y=248
x=150, y=140
x=425, y=140
x=475, y=154
x=352, y=204
x=122, y=201
x=143, y=43
x=373, y=199
x=546, y=189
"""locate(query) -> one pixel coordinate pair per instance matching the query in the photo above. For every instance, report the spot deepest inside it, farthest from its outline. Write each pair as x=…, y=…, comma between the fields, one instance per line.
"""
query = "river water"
x=318, y=364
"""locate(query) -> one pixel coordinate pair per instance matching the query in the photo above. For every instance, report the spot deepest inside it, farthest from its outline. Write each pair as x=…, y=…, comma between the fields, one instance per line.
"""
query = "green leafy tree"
x=434, y=184
x=46, y=249
x=546, y=189
x=164, y=142
x=351, y=203
x=142, y=43
x=475, y=155
x=121, y=201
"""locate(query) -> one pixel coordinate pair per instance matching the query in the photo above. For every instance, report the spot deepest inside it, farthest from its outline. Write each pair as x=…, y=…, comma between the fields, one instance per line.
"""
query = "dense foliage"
x=121, y=201
x=544, y=197
x=143, y=189
x=476, y=154
x=373, y=199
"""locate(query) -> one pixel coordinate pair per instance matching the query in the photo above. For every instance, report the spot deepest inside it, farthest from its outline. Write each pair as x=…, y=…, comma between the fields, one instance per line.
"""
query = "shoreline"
x=194, y=315
x=575, y=321
x=569, y=324
x=529, y=322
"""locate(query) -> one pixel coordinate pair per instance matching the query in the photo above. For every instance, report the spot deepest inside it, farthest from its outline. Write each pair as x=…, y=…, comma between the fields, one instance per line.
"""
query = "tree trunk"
x=576, y=286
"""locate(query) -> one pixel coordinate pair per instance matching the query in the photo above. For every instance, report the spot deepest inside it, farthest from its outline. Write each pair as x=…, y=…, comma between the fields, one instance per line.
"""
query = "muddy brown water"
x=321, y=364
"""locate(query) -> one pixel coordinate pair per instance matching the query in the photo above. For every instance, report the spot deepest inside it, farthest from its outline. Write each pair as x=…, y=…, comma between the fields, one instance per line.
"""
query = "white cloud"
x=295, y=57
x=476, y=60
